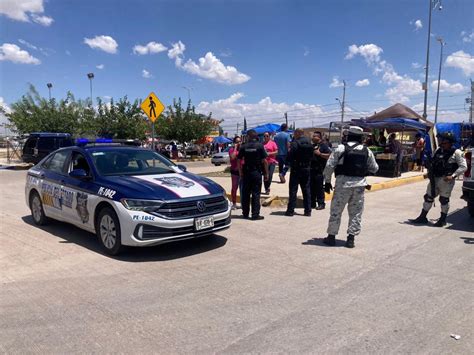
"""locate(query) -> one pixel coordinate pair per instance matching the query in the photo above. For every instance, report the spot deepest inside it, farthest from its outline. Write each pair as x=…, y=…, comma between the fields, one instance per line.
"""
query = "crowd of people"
x=311, y=164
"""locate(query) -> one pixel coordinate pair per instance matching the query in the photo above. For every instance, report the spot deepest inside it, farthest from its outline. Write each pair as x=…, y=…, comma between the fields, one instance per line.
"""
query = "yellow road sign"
x=152, y=107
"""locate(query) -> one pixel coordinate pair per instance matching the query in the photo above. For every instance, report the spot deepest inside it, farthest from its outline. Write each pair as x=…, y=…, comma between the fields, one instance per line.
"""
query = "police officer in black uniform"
x=321, y=153
x=300, y=155
x=252, y=167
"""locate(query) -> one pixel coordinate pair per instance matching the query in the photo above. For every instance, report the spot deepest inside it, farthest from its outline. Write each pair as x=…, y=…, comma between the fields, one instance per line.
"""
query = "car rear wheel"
x=37, y=211
x=108, y=231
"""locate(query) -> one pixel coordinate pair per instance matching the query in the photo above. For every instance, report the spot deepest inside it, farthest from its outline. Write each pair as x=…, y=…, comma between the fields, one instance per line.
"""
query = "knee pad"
x=428, y=198
x=443, y=200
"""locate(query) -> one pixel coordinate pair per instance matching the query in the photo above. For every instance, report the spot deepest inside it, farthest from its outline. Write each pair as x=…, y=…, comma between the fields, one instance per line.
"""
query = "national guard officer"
x=445, y=166
x=254, y=164
x=301, y=152
x=351, y=161
x=318, y=163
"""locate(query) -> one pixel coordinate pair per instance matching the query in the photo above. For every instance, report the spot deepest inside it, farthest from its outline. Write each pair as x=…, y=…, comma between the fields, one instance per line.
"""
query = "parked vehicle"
x=39, y=145
x=221, y=158
x=468, y=182
x=125, y=195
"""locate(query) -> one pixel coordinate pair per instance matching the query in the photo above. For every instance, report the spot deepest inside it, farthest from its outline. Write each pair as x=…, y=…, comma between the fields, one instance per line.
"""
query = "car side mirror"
x=182, y=167
x=79, y=174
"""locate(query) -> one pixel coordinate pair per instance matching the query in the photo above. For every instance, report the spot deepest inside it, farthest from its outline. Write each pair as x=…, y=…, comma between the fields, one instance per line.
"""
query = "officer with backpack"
x=351, y=162
x=445, y=166
x=299, y=158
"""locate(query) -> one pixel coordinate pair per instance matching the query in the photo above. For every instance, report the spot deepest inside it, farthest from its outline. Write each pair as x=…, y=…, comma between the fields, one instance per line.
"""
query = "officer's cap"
x=354, y=130
x=447, y=136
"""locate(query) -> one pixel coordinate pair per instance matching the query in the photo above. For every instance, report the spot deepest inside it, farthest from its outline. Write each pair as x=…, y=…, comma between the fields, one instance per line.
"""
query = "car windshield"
x=130, y=162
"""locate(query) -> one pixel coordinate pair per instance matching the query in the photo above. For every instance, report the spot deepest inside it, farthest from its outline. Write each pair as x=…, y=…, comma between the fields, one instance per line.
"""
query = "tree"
x=184, y=125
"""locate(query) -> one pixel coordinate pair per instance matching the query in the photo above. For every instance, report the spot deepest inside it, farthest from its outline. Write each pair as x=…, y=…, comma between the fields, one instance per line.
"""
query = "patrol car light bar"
x=141, y=205
x=86, y=141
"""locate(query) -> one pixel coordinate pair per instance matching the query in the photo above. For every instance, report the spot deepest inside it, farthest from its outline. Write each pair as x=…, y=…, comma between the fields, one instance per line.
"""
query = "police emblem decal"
x=201, y=206
x=175, y=182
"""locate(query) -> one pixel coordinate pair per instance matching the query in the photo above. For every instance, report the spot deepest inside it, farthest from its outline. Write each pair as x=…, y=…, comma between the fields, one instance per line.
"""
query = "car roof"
x=49, y=134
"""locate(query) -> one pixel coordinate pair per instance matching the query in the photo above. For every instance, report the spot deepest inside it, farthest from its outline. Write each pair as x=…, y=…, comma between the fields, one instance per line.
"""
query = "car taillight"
x=468, y=157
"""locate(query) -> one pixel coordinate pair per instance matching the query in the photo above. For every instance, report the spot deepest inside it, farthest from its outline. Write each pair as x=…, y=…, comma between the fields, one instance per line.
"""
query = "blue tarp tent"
x=267, y=127
x=221, y=140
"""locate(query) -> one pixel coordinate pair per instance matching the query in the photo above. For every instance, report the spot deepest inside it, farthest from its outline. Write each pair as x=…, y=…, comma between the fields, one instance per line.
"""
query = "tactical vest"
x=355, y=161
x=441, y=166
x=304, y=152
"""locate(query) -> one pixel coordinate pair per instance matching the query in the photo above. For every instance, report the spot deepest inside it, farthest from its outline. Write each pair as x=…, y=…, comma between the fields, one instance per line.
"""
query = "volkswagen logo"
x=201, y=206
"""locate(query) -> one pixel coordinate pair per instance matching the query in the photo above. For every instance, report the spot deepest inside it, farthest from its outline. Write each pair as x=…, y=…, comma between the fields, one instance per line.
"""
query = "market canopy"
x=267, y=127
x=392, y=124
x=221, y=140
x=398, y=111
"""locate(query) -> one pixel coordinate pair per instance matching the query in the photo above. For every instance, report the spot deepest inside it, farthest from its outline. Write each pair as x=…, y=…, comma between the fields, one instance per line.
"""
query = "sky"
x=242, y=58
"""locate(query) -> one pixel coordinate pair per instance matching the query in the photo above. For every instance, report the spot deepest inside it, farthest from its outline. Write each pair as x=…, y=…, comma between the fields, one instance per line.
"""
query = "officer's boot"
x=330, y=240
x=441, y=221
x=421, y=219
x=350, y=241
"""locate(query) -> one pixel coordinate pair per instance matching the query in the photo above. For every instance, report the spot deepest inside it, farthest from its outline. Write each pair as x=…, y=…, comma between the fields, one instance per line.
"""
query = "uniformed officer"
x=446, y=165
x=301, y=152
x=321, y=153
x=254, y=164
x=351, y=161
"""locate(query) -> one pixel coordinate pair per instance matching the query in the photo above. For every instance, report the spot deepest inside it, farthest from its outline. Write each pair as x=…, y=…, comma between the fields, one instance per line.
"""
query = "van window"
x=31, y=143
x=64, y=142
x=57, y=162
x=46, y=143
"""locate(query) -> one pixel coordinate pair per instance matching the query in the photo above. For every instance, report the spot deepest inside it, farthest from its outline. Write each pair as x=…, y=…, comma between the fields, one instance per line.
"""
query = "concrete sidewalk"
x=279, y=191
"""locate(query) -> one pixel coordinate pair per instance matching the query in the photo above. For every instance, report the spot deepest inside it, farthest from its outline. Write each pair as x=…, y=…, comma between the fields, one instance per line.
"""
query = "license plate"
x=204, y=223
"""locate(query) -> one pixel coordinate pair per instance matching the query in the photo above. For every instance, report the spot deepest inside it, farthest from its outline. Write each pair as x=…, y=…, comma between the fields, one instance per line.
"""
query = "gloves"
x=328, y=187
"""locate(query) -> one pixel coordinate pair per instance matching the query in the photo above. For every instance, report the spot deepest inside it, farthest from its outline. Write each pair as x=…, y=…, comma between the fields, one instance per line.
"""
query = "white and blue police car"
x=127, y=196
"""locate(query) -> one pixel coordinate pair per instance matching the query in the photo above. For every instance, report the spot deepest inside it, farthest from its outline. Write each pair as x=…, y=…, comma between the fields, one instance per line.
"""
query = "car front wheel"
x=37, y=210
x=108, y=231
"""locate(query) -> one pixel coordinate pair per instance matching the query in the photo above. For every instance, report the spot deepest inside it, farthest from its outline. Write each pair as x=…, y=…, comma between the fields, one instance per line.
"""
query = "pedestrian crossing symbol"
x=152, y=107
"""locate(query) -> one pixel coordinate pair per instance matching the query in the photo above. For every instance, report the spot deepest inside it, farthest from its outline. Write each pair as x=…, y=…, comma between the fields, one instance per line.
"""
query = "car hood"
x=170, y=186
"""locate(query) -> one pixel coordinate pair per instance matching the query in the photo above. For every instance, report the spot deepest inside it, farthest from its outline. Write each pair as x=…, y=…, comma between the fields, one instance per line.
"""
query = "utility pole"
x=286, y=118
x=472, y=101
x=91, y=76
x=343, y=100
x=49, y=85
x=237, y=133
x=440, y=40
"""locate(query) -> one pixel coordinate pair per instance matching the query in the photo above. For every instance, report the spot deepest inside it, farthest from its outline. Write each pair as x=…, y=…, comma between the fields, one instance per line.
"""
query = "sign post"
x=153, y=108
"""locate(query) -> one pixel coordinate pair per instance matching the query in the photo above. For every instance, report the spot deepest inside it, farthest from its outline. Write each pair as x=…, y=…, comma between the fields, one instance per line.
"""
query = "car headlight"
x=141, y=205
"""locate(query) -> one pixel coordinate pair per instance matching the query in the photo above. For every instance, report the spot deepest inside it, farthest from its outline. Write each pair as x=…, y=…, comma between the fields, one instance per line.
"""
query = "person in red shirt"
x=272, y=151
x=234, y=170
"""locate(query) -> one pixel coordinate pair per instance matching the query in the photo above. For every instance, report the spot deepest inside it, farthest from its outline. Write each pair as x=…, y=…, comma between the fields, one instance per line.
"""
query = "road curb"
x=278, y=201
x=15, y=167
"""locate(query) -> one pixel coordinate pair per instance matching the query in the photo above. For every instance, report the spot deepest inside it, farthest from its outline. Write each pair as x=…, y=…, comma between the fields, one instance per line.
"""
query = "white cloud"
x=28, y=44
x=226, y=53
x=208, y=67
x=146, y=74
x=467, y=37
x=104, y=43
x=42, y=20
x=67, y=52
x=149, y=48
x=364, y=82
x=25, y=11
x=4, y=105
x=444, y=115
x=461, y=60
x=445, y=86
x=418, y=25
x=13, y=53
x=416, y=65
x=306, y=51
x=232, y=111
x=370, y=52
x=336, y=83
x=100, y=66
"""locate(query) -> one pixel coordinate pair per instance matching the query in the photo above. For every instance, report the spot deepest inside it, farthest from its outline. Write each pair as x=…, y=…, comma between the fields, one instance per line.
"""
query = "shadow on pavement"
x=467, y=240
x=460, y=220
x=319, y=243
x=168, y=251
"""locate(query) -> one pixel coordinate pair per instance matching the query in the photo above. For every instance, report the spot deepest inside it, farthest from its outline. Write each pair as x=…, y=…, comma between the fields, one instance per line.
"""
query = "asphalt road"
x=260, y=287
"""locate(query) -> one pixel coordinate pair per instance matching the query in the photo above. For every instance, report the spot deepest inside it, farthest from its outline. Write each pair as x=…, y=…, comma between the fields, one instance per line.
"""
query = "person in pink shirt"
x=234, y=170
x=272, y=151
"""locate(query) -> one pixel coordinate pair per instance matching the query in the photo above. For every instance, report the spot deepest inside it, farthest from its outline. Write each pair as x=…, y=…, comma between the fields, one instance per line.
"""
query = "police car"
x=128, y=196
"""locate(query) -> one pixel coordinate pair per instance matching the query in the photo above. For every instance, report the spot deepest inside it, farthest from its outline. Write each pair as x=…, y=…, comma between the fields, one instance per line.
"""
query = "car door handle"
x=62, y=181
x=41, y=176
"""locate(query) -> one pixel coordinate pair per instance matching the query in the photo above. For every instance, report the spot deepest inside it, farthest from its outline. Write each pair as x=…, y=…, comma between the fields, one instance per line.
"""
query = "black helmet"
x=447, y=136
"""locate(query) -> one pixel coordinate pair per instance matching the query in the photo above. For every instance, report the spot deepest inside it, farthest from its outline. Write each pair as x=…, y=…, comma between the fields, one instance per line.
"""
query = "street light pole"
x=440, y=40
x=189, y=93
x=432, y=5
x=49, y=85
x=91, y=76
